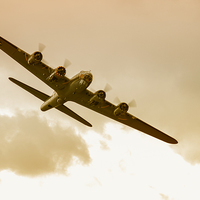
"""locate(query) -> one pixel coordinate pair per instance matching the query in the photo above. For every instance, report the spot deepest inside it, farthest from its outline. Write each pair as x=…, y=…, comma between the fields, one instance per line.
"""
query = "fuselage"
x=77, y=84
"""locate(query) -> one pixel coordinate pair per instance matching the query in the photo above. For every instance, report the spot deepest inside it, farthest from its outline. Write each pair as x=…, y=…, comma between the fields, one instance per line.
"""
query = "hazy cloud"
x=94, y=182
x=164, y=197
x=104, y=145
x=29, y=146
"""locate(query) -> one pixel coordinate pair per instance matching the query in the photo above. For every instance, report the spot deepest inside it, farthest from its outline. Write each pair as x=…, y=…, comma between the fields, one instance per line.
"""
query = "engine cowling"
x=58, y=73
x=98, y=97
x=35, y=58
x=121, y=109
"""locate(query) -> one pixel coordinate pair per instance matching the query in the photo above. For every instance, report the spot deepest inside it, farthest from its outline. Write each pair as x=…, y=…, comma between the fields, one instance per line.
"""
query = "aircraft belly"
x=52, y=102
x=72, y=91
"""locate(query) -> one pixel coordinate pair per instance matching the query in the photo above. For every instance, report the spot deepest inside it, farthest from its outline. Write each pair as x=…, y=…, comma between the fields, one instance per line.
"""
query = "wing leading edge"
x=44, y=97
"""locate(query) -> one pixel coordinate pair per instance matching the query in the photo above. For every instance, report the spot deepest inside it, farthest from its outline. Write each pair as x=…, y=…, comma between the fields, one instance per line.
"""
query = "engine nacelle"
x=98, y=97
x=121, y=109
x=58, y=73
x=35, y=58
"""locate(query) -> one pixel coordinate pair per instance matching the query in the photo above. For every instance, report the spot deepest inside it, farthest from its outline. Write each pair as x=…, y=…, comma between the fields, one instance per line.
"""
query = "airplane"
x=75, y=90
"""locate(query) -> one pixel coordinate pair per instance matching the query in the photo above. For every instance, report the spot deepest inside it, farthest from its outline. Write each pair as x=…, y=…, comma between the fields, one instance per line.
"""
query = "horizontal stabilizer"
x=33, y=91
x=44, y=97
x=72, y=114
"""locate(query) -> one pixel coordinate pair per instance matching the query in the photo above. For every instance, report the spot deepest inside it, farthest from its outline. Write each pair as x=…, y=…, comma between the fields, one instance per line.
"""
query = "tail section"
x=45, y=97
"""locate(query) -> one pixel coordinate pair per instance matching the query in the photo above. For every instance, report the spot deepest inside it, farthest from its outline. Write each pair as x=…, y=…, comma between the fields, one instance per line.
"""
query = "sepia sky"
x=147, y=51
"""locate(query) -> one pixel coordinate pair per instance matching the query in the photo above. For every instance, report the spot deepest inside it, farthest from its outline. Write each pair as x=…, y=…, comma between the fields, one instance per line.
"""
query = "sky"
x=147, y=51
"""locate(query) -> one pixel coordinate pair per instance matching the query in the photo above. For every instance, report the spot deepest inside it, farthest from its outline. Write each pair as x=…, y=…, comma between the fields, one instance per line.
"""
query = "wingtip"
x=12, y=79
x=88, y=124
x=173, y=141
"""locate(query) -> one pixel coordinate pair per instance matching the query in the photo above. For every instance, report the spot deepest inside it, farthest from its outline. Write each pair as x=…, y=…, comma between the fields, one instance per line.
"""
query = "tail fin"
x=44, y=97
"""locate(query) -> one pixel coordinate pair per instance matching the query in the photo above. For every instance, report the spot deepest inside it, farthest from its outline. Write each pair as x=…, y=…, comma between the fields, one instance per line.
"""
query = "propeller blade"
x=107, y=88
x=67, y=63
x=132, y=103
x=41, y=47
x=117, y=100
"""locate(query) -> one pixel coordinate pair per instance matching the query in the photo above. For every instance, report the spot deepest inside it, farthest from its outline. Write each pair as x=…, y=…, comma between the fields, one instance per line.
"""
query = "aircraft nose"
x=88, y=78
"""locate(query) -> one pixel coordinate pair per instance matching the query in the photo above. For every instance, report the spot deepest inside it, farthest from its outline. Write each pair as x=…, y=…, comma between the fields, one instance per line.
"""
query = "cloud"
x=30, y=147
x=94, y=182
x=164, y=197
x=104, y=145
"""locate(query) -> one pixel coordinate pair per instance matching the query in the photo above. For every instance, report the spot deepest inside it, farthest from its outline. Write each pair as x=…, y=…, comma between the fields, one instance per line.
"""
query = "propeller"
x=130, y=104
x=41, y=47
x=117, y=100
x=107, y=88
x=67, y=63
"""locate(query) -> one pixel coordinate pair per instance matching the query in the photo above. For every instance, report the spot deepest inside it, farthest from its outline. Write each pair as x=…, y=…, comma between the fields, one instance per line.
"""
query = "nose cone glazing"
x=88, y=77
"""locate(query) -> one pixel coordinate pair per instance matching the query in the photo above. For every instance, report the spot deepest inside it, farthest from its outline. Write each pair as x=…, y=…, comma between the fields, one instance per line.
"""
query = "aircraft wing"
x=44, y=97
x=106, y=108
x=41, y=70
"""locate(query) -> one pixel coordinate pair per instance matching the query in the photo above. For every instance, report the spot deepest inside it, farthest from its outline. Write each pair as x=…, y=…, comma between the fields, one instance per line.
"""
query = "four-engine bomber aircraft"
x=74, y=89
